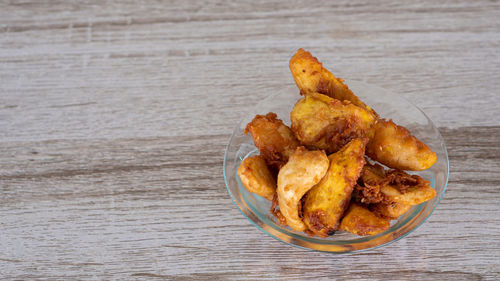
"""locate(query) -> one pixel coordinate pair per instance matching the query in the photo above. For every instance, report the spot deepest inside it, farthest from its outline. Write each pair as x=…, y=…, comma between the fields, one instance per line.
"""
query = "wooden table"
x=114, y=119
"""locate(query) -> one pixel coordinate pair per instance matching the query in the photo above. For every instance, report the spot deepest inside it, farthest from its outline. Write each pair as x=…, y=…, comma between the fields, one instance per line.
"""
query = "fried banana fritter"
x=414, y=195
x=395, y=147
x=326, y=202
x=368, y=194
x=372, y=178
x=361, y=221
x=303, y=170
x=393, y=186
x=275, y=141
x=321, y=122
x=311, y=77
x=390, y=210
x=256, y=177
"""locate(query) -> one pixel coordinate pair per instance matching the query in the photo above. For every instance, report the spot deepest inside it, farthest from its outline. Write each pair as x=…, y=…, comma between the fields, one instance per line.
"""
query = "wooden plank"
x=158, y=207
x=114, y=118
x=134, y=77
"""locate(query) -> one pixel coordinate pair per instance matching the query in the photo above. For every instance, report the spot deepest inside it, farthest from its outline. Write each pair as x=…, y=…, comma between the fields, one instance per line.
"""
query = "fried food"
x=303, y=170
x=395, y=147
x=414, y=195
x=275, y=141
x=277, y=213
x=393, y=186
x=372, y=178
x=256, y=177
x=321, y=122
x=326, y=202
x=317, y=194
x=311, y=77
x=361, y=221
x=389, y=210
x=368, y=194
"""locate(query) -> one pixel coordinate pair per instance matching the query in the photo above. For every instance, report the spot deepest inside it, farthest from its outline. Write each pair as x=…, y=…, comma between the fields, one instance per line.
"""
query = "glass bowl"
x=388, y=105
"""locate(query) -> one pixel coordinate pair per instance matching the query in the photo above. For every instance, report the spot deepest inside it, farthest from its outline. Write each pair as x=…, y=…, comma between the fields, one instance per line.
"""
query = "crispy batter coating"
x=369, y=194
x=326, y=202
x=303, y=170
x=414, y=195
x=256, y=177
x=321, y=122
x=372, y=178
x=276, y=212
x=275, y=141
x=361, y=221
x=393, y=186
x=395, y=147
x=310, y=76
x=389, y=210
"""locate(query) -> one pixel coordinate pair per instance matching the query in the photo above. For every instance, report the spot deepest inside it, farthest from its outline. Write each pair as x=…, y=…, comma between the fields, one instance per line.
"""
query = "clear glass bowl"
x=388, y=105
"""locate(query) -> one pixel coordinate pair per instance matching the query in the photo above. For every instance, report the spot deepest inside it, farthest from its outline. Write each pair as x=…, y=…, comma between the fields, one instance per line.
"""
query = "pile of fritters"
x=317, y=172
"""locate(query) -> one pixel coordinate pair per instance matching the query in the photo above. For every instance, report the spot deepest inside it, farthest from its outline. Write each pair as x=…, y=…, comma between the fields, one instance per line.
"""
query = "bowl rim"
x=237, y=126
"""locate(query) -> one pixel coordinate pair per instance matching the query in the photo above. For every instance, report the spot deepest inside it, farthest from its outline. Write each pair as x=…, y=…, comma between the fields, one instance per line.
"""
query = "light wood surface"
x=114, y=119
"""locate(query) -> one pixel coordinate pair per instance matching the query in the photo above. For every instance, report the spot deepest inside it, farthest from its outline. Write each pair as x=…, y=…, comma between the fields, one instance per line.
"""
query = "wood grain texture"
x=114, y=119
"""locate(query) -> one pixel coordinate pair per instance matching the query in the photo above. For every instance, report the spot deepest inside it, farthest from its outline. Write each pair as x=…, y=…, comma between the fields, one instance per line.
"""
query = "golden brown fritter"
x=326, y=202
x=368, y=194
x=311, y=77
x=392, y=186
x=395, y=147
x=303, y=170
x=319, y=194
x=277, y=213
x=389, y=210
x=321, y=122
x=256, y=177
x=361, y=221
x=414, y=195
x=275, y=141
x=372, y=178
